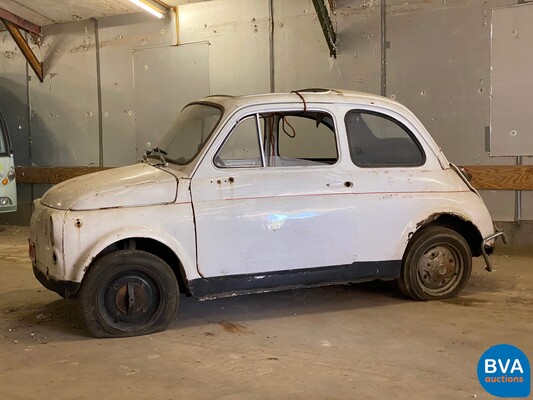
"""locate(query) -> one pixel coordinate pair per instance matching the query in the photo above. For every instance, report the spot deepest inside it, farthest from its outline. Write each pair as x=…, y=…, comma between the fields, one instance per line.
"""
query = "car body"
x=258, y=193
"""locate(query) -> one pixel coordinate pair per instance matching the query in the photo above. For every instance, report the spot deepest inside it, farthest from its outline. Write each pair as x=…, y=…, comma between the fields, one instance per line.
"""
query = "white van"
x=8, y=184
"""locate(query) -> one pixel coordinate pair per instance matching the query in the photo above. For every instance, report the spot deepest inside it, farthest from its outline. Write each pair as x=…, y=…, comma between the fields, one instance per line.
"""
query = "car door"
x=272, y=195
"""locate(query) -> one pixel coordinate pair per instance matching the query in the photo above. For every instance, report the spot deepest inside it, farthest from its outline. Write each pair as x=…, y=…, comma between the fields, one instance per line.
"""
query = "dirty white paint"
x=225, y=216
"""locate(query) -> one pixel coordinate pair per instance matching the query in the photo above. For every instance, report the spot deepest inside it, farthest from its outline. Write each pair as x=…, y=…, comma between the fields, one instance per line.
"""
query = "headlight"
x=5, y=201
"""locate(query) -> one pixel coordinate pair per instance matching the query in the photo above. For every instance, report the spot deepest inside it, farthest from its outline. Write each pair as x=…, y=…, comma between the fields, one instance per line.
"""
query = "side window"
x=241, y=149
x=306, y=138
x=377, y=140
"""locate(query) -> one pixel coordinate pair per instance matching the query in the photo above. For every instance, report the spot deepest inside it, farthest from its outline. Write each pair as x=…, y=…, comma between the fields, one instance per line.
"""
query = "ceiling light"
x=151, y=6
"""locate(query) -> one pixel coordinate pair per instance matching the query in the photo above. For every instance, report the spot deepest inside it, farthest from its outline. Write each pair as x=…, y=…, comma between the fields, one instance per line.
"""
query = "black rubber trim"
x=222, y=286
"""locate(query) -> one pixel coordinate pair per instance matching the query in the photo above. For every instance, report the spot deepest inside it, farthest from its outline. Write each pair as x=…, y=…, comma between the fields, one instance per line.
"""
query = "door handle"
x=346, y=184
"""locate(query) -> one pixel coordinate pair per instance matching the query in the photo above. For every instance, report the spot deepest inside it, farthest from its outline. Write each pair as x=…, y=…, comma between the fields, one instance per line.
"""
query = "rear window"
x=377, y=140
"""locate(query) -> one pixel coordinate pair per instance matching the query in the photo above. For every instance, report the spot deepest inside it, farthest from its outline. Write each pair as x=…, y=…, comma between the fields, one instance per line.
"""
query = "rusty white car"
x=260, y=193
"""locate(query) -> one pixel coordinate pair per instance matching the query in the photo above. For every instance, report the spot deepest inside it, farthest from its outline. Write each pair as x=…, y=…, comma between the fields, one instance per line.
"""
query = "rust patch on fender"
x=427, y=220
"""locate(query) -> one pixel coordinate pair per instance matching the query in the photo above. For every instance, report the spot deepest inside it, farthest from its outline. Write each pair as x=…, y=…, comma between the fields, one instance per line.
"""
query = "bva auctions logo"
x=504, y=371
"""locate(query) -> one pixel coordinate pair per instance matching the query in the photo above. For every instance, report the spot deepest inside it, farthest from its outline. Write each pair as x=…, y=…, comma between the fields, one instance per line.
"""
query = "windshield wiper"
x=154, y=153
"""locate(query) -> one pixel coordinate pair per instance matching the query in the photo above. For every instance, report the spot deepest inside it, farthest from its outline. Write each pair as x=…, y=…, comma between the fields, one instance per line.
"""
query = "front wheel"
x=128, y=293
x=437, y=264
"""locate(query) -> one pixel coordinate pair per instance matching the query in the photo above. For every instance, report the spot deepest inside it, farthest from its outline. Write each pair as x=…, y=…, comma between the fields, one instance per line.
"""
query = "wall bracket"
x=13, y=24
x=327, y=26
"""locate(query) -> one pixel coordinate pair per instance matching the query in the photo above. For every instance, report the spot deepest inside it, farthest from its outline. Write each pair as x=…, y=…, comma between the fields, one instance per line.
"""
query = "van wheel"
x=436, y=265
x=128, y=293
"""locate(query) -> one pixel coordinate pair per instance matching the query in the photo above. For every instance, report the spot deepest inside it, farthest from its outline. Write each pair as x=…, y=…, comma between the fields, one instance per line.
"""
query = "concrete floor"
x=358, y=342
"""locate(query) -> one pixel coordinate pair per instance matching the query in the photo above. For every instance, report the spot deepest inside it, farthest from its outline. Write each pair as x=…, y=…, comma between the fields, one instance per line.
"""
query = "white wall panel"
x=238, y=34
x=64, y=108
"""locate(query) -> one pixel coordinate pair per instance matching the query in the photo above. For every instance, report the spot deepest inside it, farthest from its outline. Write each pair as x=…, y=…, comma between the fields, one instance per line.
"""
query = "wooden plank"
x=484, y=177
x=501, y=177
x=52, y=175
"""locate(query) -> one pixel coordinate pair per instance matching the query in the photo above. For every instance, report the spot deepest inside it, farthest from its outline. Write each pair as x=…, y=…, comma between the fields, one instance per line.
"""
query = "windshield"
x=189, y=133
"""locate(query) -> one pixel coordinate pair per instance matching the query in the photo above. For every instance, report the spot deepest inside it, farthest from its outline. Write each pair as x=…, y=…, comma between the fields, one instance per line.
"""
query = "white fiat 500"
x=260, y=193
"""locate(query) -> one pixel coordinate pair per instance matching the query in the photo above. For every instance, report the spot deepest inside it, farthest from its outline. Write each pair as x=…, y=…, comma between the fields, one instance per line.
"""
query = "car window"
x=241, y=149
x=378, y=140
x=189, y=133
x=287, y=139
x=305, y=137
x=301, y=138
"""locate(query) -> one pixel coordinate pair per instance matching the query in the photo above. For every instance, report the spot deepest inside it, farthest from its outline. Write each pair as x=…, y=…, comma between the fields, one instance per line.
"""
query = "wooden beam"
x=484, y=177
x=52, y=175
x=501, y=177
x=20, y=22
x=25, y=48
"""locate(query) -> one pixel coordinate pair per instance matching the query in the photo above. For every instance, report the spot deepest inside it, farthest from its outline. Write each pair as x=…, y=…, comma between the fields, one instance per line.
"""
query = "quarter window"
x=241, y=149
x=377, y=140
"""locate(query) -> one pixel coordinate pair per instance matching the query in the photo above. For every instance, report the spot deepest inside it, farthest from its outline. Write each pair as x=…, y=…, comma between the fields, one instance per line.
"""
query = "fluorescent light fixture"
x=154, y=8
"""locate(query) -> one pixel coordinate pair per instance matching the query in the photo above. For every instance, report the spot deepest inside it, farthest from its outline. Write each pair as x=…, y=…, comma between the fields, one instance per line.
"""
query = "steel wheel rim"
x=440, y=269
x=130, y=300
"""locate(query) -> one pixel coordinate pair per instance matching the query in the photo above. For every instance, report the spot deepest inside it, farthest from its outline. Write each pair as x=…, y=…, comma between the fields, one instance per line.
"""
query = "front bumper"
x=485, y=247
x=66, y=289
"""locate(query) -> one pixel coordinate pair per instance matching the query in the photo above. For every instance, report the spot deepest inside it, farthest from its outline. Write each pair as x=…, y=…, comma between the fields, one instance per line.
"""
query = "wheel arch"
x=161, y=245
x=456, y=222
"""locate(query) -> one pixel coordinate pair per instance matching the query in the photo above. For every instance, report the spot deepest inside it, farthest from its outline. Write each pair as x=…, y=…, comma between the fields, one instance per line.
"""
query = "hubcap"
x=439, y=268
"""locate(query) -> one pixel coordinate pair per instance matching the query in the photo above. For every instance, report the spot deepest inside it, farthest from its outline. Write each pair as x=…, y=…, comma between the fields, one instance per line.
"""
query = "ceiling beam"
x=20, y=22
x=25, y=48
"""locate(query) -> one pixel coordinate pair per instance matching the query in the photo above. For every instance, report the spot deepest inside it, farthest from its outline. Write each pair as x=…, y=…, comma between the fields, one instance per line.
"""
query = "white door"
x=8, y=184
x=287, y=207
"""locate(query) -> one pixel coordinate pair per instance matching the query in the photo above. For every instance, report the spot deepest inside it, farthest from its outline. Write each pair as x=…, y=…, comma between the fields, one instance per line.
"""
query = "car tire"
x=128, y=293
x=436, y=264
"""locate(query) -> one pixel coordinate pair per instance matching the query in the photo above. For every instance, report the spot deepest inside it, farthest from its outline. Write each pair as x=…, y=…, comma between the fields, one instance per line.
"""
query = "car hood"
x=131, y=186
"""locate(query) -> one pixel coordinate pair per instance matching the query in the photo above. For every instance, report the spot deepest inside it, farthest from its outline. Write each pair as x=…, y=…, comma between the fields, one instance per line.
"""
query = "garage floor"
x=362, y=341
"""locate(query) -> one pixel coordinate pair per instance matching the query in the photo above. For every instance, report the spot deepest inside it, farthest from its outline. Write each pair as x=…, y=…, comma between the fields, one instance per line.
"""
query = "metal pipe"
x=383, y=47
x=99, y=96
x=28, y=100
x=271, y=46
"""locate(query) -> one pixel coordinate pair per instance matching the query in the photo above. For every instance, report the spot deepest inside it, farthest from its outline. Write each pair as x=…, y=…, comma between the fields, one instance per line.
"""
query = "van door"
x=8, y=184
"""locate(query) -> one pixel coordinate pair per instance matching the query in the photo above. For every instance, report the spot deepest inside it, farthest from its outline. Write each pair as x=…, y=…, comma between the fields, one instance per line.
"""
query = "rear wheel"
x=437, y=264
x=128, y=293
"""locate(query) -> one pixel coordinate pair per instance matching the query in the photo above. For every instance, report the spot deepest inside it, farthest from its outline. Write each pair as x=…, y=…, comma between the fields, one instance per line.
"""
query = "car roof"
x=310, y=96
x=331, y=96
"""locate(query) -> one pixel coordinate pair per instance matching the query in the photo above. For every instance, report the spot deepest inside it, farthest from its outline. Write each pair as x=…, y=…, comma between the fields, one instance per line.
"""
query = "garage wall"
x=438, y=64
x=81, y=115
